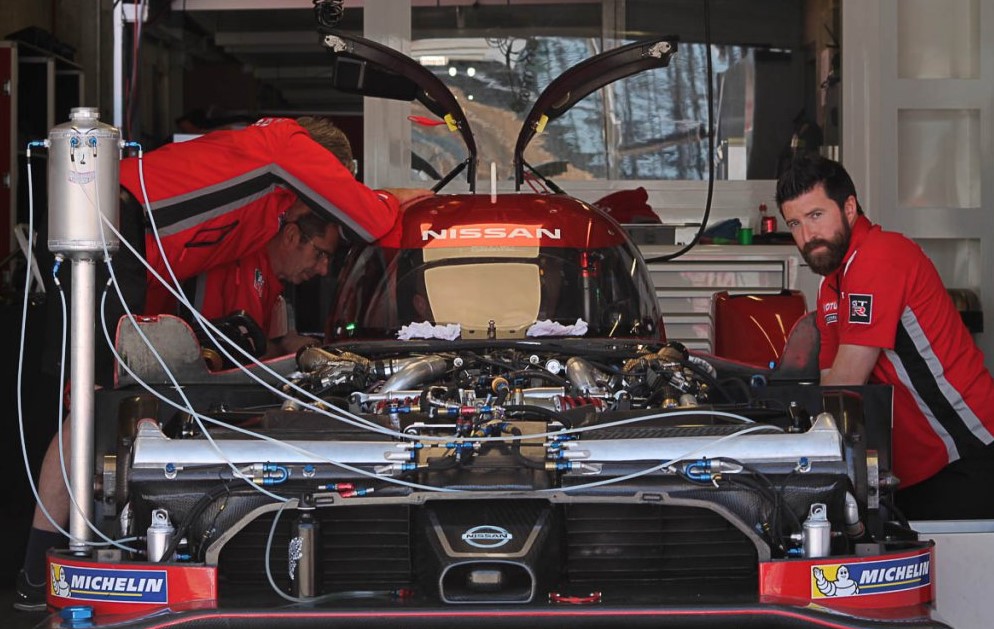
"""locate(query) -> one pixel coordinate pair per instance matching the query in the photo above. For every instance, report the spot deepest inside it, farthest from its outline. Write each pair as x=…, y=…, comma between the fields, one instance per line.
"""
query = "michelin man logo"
x=60, y=586
x=842, y=585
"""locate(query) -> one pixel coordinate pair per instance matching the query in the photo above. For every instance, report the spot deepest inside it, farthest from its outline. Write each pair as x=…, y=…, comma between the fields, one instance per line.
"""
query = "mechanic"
x=219, y=197
x=214, y=200
x=885, y=317
x=301, y=250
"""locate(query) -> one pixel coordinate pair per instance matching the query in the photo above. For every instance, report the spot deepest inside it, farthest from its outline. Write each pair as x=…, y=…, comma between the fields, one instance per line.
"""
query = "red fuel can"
x=769, y=224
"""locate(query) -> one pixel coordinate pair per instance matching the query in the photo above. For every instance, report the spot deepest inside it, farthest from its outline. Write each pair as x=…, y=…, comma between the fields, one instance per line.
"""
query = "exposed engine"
x=471, y=471
x=476, y=387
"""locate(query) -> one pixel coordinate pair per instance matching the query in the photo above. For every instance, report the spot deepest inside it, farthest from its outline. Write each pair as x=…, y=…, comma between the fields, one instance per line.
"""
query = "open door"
x=579, y=82
x=364, y=67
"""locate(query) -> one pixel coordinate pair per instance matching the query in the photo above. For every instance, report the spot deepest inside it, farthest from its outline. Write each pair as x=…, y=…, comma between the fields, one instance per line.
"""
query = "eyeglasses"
x=322, y=254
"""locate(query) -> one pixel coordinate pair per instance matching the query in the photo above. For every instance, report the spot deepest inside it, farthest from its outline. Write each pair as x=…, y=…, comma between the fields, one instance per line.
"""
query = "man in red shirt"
x=218, y=197
x=212, y=201
x=254, y=284
x=885, y=317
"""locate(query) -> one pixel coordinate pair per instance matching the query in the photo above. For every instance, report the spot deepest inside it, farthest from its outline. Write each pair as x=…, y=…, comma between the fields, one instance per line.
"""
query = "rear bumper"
x=738, y=617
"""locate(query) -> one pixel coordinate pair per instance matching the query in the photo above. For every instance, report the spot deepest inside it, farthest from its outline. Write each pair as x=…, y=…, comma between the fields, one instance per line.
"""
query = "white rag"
x=428, y=330
x=552, y=328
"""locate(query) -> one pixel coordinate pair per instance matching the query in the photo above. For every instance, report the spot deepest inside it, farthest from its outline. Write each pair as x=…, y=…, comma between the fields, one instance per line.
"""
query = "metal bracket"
x=335, y=43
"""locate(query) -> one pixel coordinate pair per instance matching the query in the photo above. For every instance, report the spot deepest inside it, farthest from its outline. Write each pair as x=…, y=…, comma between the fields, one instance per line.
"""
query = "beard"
x=828, y=260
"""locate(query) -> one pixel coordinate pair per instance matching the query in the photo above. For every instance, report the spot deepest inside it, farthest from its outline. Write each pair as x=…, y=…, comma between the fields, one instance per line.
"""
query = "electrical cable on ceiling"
x=329, y=13
x=711, y=156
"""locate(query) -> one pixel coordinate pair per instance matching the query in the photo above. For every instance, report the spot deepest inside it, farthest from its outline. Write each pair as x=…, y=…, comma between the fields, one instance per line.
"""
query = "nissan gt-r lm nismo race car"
x=495, y=431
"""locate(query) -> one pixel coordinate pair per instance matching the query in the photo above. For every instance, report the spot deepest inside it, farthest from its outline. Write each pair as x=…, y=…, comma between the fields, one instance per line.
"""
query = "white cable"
x=338, y=414
x=127, y=309
x=181, y=297
x=29, y=255
x=261, y=436
x=188, y=406
x=62, y=456
x=211, y=330
x=397, y=481
x=202, y=320
x=269, y=571
x=655, y=468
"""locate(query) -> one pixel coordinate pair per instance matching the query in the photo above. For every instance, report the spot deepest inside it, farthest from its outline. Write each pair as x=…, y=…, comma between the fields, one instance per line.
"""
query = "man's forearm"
x=852, y=365
x=289, y=343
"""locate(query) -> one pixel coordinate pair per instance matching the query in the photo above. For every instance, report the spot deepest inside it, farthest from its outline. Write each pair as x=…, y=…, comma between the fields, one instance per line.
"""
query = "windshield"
x=500, y=291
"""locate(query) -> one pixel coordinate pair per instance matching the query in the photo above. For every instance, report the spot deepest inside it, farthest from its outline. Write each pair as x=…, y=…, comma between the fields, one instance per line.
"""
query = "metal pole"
x=118, y=63
x=82, y=374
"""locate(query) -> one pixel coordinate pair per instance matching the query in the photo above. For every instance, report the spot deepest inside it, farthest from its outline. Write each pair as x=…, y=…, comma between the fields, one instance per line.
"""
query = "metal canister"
x=160, y=535
x=817, y=532
x=84, y=158
x=769, y=224
x=305, y=555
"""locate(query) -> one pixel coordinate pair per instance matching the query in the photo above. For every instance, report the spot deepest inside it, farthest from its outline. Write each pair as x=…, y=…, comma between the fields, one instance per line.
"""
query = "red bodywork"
x=514, y=220
x=128, y=587
x=753, y=329
x=894, y=586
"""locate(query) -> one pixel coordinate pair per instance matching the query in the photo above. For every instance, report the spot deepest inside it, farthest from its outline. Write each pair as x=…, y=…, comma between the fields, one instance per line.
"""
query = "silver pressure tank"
x=84, y=158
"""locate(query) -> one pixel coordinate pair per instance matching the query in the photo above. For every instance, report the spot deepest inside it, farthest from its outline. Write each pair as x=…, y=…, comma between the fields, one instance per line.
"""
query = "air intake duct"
x=487, y=551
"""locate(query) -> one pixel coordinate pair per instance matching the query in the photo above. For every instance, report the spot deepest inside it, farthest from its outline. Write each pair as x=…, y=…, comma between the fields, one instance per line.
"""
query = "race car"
x=495, y=430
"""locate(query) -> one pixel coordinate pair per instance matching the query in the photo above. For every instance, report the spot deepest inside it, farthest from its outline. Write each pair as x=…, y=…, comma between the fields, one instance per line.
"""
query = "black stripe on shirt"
x=166, y=216
x=924, y=383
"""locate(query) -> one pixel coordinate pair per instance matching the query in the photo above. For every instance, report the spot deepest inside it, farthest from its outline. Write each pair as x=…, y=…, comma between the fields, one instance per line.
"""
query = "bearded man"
x=885, y=317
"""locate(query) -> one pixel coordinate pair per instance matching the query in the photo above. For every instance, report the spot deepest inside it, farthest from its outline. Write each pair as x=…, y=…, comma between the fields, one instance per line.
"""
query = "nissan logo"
x=487, y=536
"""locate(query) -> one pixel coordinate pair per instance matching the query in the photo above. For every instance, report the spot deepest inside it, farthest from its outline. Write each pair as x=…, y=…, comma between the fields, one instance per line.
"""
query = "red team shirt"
x=888, y=294
x=219, y=197
x=248, y=282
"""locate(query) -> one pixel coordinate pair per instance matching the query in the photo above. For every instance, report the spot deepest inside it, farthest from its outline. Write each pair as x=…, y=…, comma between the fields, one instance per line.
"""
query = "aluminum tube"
x=82, y=374
x=156, y=453
x=816, y=446
x=117, y=20
x=416, y=372
x=584, y=377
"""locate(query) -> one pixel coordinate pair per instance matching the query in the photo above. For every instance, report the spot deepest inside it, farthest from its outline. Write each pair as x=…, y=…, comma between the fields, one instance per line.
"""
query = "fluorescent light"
x=433, y=60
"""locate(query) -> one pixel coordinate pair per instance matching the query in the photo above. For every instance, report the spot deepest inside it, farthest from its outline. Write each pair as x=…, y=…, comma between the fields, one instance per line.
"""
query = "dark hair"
x=325, y=133
x=311, y=225
x=805, y=172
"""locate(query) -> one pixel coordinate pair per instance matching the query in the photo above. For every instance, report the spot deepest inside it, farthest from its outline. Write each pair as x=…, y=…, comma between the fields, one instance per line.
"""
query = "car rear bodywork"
x=494, y=431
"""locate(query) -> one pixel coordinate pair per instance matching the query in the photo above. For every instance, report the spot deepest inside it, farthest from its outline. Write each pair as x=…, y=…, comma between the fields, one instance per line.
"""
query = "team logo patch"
x=871, y=577
x=98, y=584
x=260, y=282
x=830, y=310
x=860, y=309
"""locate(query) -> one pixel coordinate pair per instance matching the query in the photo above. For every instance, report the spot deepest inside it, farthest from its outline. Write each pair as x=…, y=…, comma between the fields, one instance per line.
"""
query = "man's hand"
x=408, y=196
x=289, y=344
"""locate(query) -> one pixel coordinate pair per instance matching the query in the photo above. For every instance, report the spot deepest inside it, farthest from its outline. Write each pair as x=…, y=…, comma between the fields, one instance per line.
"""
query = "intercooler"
x=363, y=547
x=659, y=551
x=632, y=551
